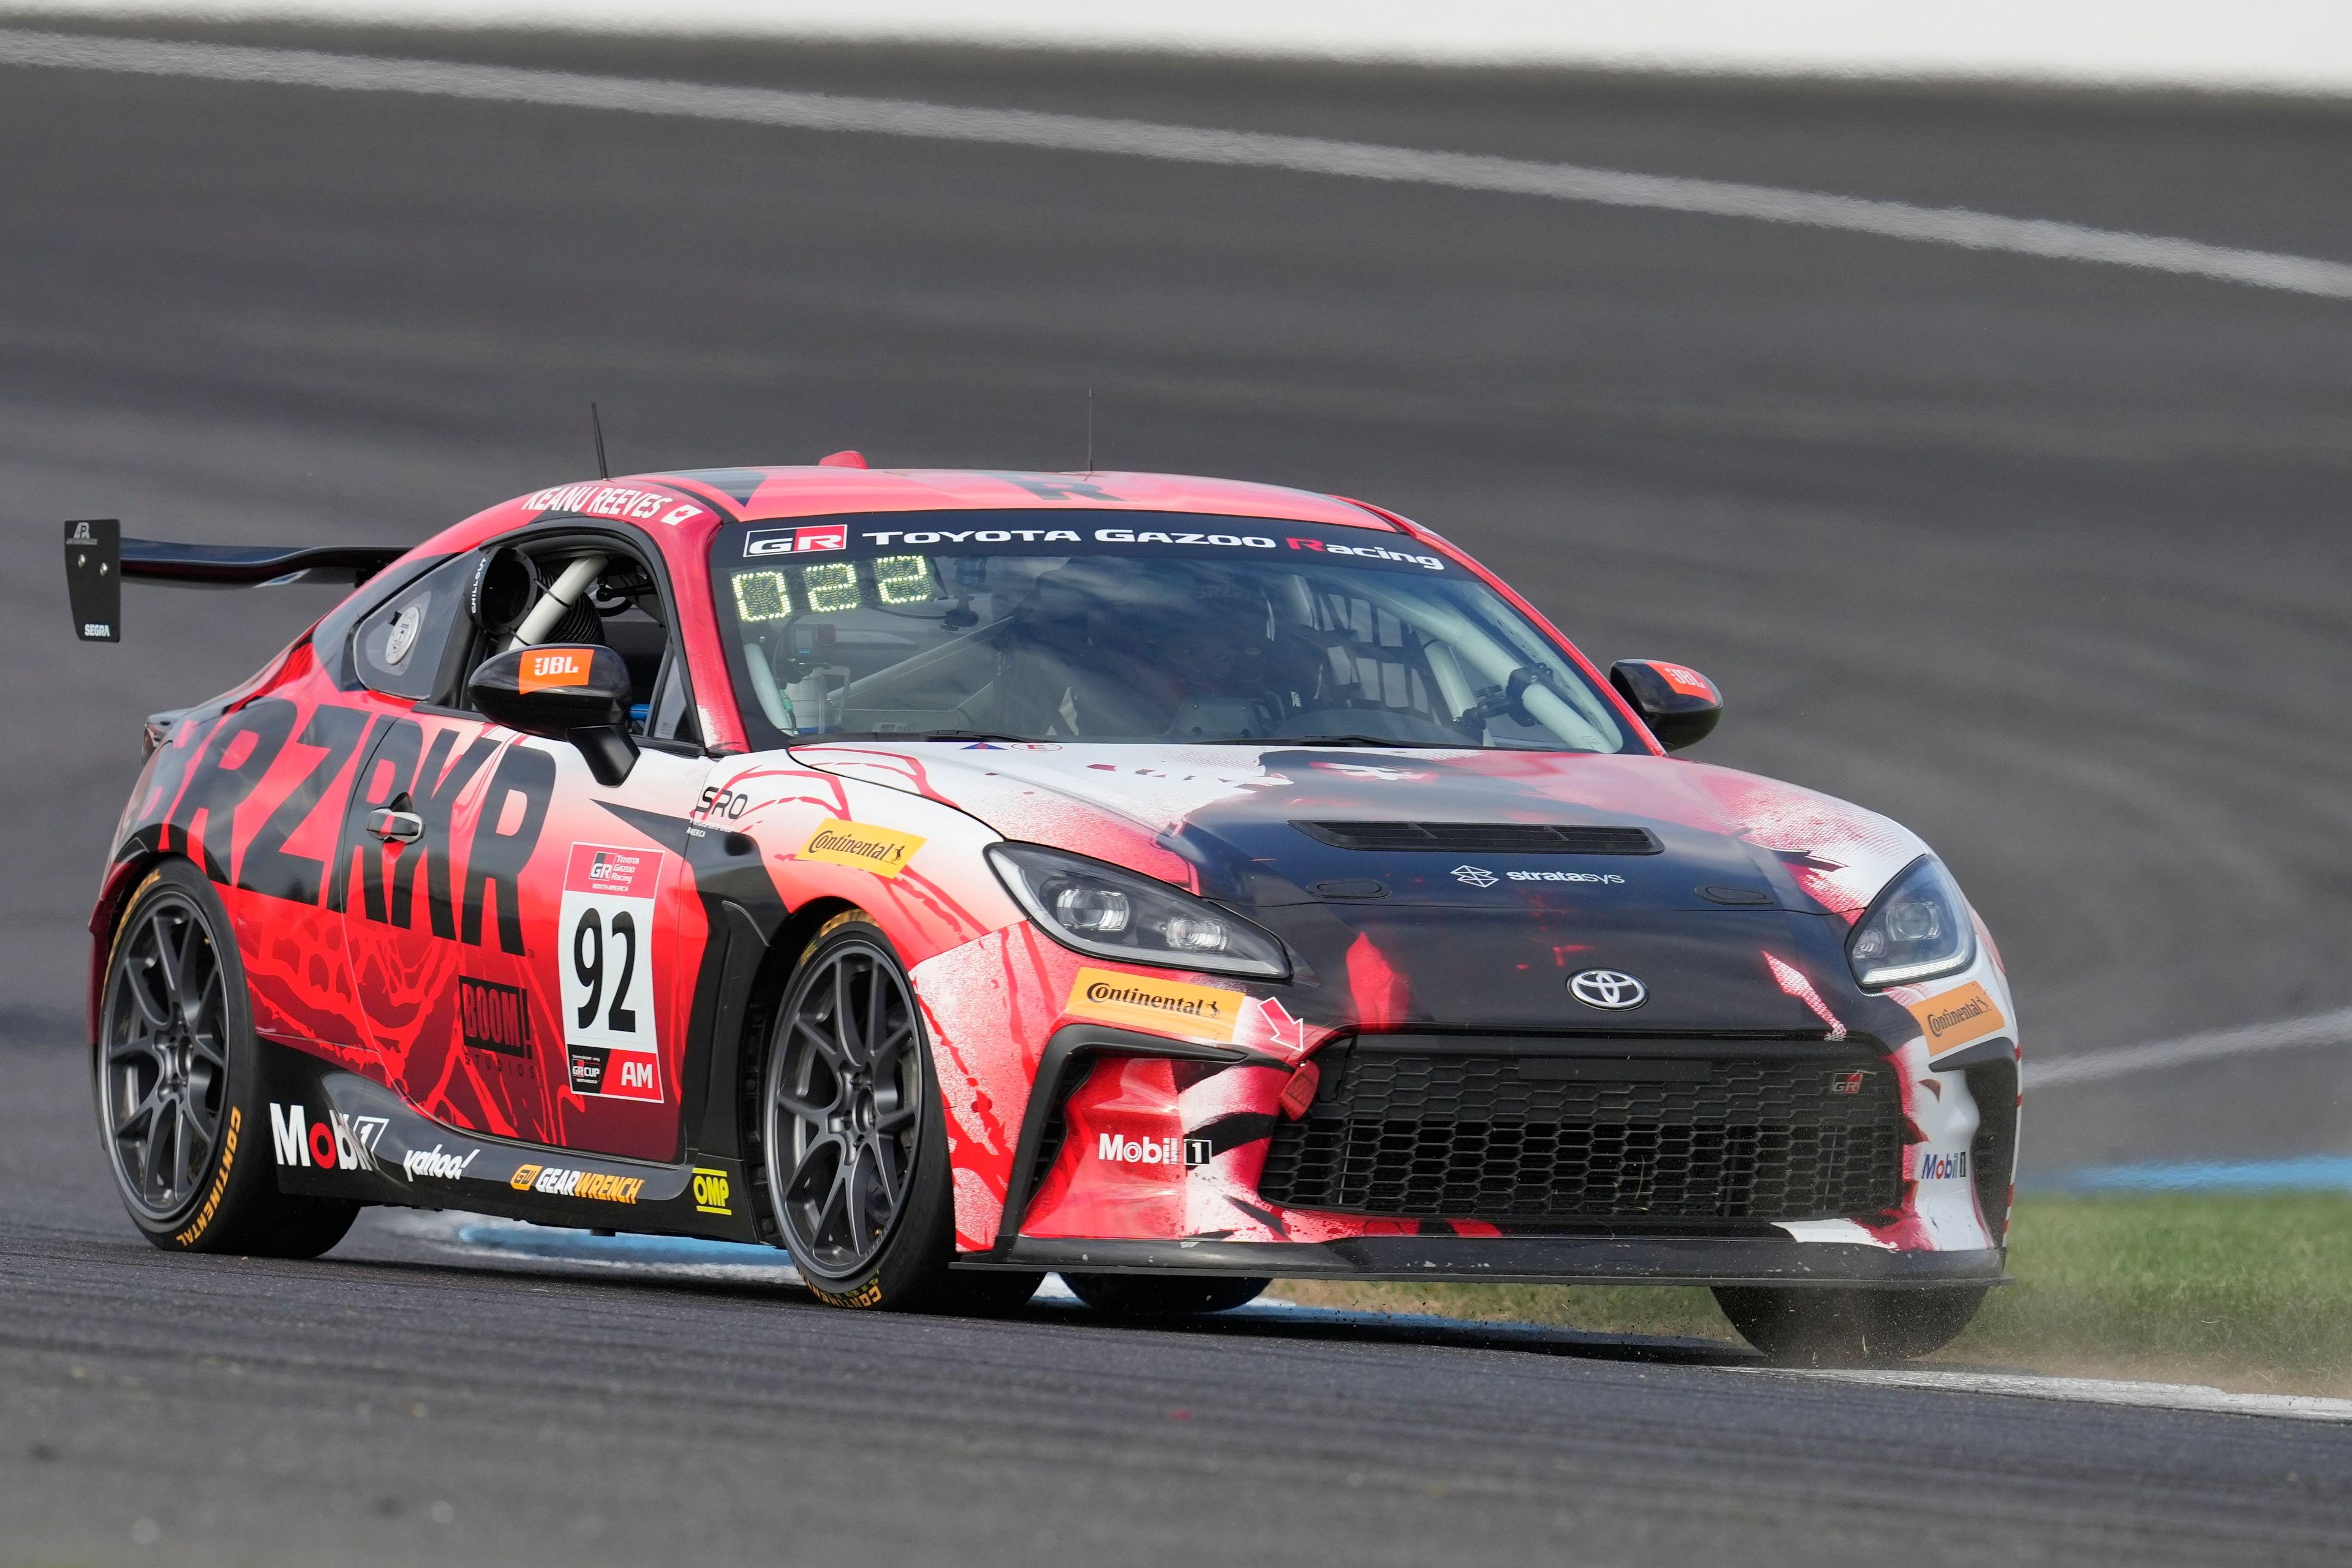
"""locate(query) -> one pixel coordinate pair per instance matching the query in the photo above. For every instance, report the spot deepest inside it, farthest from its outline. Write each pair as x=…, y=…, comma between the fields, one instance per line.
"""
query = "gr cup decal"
x=605, y=958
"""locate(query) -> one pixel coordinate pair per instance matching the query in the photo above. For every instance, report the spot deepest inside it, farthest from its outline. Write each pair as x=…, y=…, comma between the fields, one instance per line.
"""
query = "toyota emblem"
x=1607, y=988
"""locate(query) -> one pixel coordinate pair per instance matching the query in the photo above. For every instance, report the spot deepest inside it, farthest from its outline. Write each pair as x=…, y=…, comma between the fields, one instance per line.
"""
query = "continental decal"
x=882, y=850
x=204, y=1220
x=1956, y=1018
x=555, y=1181
x=1202, y=1012
x=868, y=1295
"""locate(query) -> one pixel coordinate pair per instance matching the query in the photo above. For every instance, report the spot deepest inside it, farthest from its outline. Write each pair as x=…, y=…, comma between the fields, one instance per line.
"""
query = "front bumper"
x=1517, y=1260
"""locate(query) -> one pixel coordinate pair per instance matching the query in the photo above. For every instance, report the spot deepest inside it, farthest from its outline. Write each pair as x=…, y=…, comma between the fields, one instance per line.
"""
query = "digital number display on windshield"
x=831, y=587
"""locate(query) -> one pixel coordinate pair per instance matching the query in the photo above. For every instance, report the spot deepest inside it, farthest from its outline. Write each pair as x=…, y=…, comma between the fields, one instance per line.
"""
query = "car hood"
x=1222, y=820
x=1734, y=920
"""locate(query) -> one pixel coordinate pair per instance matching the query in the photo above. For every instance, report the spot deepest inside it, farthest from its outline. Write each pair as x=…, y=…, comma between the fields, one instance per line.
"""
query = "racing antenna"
x=596, y=422
x=1090, y=429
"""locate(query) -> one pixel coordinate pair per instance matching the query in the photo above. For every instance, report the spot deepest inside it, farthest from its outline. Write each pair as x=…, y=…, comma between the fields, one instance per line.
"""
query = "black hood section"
x=1489, y=938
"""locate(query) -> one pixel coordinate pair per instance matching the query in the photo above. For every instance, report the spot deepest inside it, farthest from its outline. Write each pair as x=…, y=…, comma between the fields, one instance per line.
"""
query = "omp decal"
x=883, y=851
x=1956, y=1018
x=340, y=1142
x=712, y=1192
x=551, y=668
x=605, y=963
x=203, y=1219
x=1205, y=1012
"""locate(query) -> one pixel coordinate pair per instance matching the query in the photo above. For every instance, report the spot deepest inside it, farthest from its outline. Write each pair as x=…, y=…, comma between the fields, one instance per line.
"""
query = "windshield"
x=1069, y=625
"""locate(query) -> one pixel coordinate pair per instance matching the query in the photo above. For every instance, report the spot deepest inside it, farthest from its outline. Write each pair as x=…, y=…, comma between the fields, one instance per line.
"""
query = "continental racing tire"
x=177, y=1071
x=1161, y=1296
x=854, y=1140
x=1828, y=1326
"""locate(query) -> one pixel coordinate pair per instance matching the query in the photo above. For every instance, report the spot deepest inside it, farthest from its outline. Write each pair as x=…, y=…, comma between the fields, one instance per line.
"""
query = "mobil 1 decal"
x=605, y=959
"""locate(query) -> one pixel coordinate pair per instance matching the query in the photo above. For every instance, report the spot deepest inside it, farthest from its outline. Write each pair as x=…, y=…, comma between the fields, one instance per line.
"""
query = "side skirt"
x=336, y=1134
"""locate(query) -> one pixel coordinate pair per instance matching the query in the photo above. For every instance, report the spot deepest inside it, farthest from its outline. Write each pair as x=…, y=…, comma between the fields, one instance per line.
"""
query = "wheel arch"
x=773, y=980
x=123, y=879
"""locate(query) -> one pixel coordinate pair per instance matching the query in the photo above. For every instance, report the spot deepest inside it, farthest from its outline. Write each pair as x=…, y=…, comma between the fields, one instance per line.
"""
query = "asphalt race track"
x=2046, y=559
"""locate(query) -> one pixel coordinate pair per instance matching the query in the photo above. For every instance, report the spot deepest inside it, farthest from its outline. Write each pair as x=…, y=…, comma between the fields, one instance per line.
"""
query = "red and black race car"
x=955, y=876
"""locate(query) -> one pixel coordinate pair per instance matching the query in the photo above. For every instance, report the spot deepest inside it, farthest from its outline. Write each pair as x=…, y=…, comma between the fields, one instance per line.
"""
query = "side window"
x=590, y=592
x=405, y=647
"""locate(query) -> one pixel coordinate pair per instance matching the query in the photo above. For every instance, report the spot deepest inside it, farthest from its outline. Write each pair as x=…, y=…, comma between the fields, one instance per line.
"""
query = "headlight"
x=1110, y=913
x=1918, y=928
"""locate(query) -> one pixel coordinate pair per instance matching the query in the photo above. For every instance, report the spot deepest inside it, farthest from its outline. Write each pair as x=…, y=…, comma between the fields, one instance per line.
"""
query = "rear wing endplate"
x=98, y=558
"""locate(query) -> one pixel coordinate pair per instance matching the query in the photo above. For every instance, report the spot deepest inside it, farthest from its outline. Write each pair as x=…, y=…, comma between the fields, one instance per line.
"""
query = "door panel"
x=518, y=963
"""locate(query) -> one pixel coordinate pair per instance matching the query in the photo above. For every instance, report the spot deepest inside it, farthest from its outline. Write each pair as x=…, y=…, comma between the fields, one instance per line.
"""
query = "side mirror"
x=563, y=691
x=1681, y=706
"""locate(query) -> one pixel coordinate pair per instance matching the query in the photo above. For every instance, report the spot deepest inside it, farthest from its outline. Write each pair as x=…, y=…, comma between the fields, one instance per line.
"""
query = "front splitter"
x=1516, y=1260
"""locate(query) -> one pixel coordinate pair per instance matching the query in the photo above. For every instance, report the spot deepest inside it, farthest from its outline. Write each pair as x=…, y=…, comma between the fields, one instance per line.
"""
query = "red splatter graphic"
x=1382, y=996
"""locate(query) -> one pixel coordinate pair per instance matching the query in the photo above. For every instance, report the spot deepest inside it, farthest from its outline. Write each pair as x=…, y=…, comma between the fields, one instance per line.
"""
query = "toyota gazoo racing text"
x=953, y=877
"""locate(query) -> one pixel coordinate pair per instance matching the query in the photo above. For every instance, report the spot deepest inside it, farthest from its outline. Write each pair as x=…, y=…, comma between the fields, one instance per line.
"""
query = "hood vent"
x=1483, y=837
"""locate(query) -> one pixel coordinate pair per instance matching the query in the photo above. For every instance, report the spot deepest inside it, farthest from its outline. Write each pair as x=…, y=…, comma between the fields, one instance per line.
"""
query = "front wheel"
x=178, y=1079
x=1161, y=1296
x=1833, y=1326
x=854, y=1140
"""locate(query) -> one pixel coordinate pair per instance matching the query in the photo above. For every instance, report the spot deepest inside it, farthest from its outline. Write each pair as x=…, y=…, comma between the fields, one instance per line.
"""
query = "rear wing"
x=98, y=558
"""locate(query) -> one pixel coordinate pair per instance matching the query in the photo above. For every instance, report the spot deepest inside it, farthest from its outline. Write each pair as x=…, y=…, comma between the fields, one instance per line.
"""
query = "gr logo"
x=712, y=1192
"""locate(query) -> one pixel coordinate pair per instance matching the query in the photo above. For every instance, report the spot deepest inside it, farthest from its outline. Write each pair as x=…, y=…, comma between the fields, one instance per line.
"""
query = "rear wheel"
x=1837, y=1327
x=855, y=1142
x=1161, y=1296
x=178, y=1080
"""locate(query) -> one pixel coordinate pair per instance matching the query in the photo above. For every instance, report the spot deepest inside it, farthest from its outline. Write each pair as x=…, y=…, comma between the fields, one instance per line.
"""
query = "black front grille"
x=1485, y=837
x=1522, y=1139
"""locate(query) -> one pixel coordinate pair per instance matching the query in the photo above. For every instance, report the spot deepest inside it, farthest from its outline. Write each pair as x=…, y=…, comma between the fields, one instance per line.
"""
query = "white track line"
x=1185, y=144
x=2320, y=1029
x=2089, y=1391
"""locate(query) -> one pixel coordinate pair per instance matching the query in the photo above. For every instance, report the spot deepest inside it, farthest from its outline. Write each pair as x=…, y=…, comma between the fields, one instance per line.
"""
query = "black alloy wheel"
x=164, y=1076
x=853, y=1142
x=178, y=1074
x=845, y=1108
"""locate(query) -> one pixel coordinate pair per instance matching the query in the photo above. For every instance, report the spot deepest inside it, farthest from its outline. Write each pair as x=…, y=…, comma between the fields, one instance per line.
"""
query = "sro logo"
x=711, y=1191
x=727, y=803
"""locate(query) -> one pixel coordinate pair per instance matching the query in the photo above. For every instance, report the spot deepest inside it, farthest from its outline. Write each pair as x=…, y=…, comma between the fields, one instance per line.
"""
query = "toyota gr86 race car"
x=954, y=876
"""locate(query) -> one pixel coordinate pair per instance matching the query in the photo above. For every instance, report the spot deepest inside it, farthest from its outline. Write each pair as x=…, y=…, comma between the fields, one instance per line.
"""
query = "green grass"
x=2245, y=1292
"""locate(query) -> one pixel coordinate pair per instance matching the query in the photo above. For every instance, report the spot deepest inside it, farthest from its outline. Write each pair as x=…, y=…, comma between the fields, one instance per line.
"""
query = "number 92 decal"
x=605, y=960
